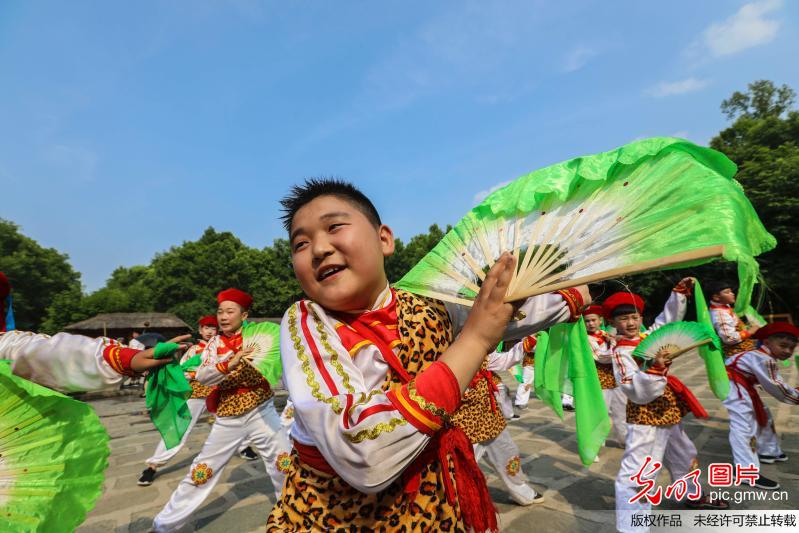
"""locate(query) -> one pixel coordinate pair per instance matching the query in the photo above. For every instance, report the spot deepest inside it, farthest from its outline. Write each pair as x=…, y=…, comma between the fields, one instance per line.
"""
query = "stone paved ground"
x=577, y=499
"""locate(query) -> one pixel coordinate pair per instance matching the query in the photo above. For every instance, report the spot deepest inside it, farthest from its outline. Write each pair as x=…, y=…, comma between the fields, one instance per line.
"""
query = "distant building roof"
x=137, y=321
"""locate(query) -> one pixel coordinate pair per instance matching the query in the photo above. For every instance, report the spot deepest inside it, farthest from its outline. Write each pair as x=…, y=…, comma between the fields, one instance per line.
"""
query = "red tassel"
x=477, y=509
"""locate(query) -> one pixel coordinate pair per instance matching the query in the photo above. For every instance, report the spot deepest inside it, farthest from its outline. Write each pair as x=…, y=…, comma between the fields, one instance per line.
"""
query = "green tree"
x=763, y=141
x=38, y=275
x=407, y=255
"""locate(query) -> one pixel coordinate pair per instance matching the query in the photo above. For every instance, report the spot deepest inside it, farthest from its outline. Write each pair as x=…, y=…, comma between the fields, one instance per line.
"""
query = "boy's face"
x=338, y=254
x=592, y=323
x=727, y=296
x=230, y=316
x=628, y=326
x=781, y=347
x=207, y=332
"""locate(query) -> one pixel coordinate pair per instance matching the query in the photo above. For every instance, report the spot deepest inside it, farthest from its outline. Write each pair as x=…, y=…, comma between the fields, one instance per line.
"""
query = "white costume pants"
x=503, y=456
x=162, y=455
x=523, y=391
x=668, y=445
x=503, y=401
x=746, y=438
x=261, y=427
x=616, y=402
x=767, y=441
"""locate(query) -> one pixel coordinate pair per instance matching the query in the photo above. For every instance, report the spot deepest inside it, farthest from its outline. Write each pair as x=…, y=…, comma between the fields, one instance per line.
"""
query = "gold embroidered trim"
x=374, y=432
x=424, y=404
x=306, y=364
x=345, y=379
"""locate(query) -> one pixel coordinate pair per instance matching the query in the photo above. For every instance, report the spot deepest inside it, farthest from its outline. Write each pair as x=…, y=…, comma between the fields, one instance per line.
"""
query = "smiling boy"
x=656, y=404
x=376, y=376
x=243, y=403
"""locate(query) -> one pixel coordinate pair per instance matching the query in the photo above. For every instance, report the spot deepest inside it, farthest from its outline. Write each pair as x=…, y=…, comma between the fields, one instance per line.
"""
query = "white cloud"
x=747, y=28
x=578, y=58
x=671, y=88
x=482, y=195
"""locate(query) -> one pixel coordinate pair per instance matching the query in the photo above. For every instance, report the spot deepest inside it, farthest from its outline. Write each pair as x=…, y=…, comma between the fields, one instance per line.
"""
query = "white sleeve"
x=64, y=362
x=725, y=325
x=504, y=360
x=640, y=387
x=768, y=376
x=673, y=311
x=358, y=430
x=603, y=352
x=539, y=313
x=210, y=373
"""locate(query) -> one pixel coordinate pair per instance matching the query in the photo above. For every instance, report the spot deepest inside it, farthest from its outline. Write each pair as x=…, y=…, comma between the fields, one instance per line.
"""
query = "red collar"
x=629, y=342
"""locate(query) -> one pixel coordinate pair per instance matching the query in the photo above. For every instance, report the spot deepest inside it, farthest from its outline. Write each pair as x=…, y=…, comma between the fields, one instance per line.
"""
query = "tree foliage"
x=38, y=275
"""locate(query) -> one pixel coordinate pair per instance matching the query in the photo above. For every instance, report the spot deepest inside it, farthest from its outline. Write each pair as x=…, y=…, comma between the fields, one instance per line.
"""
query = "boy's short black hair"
x=715, y=286
x=623, y=309
x=313, y=188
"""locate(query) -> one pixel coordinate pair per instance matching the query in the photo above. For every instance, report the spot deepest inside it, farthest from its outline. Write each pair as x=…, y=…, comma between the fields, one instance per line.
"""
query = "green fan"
x=265, y=338
x=652, y=204
x=53, y=453
x=673, y=340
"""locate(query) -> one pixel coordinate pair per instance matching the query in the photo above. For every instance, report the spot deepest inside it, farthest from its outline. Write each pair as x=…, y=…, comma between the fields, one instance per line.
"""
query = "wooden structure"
x=115, y=325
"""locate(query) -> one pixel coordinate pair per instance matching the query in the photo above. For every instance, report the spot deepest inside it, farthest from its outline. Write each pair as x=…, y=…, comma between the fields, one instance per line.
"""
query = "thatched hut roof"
x=115, y=324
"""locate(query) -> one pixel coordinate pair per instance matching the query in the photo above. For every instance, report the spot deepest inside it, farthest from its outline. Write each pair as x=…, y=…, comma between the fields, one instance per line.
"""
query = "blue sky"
x=129, y=127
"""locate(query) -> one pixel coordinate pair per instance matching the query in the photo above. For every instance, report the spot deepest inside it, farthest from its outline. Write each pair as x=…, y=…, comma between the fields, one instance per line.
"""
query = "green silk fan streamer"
x=517, y=371
x=53, y=455
x=192, y=363
x=652, y=204
x=712, y=354
x=265, y=337
x=167, y=392
x=567, y=366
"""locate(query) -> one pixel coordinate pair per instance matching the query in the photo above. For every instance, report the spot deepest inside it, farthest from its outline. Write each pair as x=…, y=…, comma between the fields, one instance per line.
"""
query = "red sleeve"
x=118, y=358
x=574, y=300
x=428, y=401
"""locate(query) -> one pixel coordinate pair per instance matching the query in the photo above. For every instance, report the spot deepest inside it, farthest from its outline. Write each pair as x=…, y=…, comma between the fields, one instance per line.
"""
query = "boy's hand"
x=490, y=314
x=752, y=329
x=144, y=360
x=686, y=285
x=244, y=353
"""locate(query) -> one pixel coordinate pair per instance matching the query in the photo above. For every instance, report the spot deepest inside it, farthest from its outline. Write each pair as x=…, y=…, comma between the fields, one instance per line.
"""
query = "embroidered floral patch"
x=201, y=473
x=288, y=413
x=513, y=466
x=753, y=444
x=283, y=462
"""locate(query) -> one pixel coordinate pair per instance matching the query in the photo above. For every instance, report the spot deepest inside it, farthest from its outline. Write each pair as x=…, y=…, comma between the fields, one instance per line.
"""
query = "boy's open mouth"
x=328, y=271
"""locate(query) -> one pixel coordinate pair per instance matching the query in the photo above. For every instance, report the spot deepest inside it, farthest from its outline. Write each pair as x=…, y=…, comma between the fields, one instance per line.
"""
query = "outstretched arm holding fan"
x=75, y=363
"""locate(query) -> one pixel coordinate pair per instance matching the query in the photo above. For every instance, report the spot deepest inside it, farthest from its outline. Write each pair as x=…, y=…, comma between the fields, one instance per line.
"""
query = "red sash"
x=749, y=386
x=685, y=394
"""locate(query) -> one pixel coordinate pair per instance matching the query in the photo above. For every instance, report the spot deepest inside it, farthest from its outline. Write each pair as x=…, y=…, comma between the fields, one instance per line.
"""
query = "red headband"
x=593, y=310
x=209, y=320
x=235, y=295
x=622, y=298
